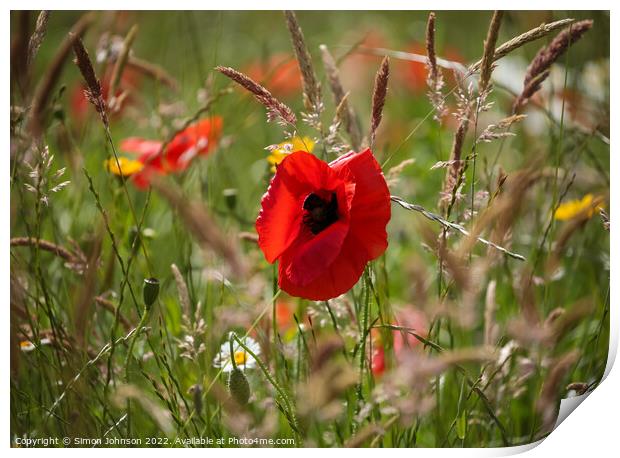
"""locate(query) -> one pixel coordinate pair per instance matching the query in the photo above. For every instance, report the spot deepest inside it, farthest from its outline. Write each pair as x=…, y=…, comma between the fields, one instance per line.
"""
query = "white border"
x=590, y=430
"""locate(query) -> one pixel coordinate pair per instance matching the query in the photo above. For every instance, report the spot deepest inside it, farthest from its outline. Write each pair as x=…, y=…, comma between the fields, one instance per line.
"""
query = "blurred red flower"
x=413, y=74
x=279, y=73
x=404, y=342
x=324, y=222
x=358, y=69
x=377, y=358
x=198, y=139
x=79, y=104
x=415, y=321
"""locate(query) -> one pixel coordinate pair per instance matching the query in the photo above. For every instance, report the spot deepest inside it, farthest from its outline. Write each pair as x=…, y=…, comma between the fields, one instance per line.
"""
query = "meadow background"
x=495, y=342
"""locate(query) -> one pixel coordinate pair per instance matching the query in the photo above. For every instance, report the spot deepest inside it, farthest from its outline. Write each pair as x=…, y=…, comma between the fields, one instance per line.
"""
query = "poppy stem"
x=233, y=336
x=274, y=320
x=132, y=343
x=290, y=414
x=366, y=311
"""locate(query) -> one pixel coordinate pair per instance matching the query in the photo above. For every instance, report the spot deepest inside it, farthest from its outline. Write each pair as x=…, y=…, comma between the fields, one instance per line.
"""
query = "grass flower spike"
x=281, y=150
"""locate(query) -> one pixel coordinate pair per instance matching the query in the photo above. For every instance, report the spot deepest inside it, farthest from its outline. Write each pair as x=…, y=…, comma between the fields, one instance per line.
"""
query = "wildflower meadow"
x=306, y=229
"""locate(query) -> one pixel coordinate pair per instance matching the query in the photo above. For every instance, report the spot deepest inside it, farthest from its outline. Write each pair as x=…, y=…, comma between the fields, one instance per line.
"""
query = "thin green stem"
x=290, y=412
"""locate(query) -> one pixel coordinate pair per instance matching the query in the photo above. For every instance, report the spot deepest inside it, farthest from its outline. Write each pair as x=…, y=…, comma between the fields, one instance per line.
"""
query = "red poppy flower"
x=198, y=139
x=324, y=222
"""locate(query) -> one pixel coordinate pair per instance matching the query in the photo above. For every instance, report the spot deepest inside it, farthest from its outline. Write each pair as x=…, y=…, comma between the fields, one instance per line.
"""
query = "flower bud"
x=150, y=291
x=238, y=386
x=196, y=393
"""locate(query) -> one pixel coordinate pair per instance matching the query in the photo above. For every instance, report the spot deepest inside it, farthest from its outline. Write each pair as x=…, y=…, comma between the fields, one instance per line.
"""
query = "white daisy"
x=242, y=358
x=27, y=346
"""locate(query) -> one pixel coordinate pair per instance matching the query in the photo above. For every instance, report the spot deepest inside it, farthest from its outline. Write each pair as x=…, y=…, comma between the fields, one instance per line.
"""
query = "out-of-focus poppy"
x=324, y=222
x=358, y=68
x=284, y=315
x=404, y=342
x=279, y=73
x=415, y=321
x=377, y=357
x=413, y=74
x=79, y=104
x=198, y=139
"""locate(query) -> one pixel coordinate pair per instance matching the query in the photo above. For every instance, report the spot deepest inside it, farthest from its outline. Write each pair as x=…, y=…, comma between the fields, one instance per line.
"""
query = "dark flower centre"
x=319, y=213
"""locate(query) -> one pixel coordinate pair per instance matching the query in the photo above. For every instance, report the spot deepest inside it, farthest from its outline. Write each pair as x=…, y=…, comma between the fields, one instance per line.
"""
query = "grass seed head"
x=378, y=97
x=540, y=66
x=276, y=110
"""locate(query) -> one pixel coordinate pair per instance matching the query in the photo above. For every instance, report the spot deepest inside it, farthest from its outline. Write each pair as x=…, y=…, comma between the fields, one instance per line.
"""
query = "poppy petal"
x=197, y=139
x=280, y=218
x=308, y=173
x=371, y=209
x=341, y=275
x=308, y=257
x=377, y=363
x=142, y=179
x=140, y=146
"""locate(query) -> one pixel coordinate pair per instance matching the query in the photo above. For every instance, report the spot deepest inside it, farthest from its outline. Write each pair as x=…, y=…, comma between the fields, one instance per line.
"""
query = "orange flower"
x=413, y=74
x=279, y=73
x=284, y=315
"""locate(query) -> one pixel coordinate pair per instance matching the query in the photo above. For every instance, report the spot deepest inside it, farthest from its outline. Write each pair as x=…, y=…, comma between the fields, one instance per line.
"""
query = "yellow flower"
x=240, y=358
x=287, y=147
x=579, y=208
x=127, y=167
